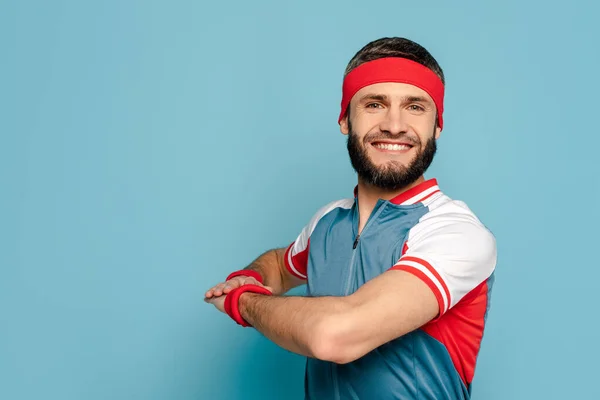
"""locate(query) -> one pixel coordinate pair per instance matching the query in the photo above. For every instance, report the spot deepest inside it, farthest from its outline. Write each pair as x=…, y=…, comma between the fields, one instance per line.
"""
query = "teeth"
x=392, y=146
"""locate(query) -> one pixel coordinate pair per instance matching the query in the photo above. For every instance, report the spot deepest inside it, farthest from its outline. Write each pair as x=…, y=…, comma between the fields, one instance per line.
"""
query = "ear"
x=438, y=132
x=344, y=125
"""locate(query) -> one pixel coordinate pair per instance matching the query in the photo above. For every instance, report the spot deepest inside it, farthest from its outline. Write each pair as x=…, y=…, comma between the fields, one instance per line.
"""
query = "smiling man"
x=399, y=275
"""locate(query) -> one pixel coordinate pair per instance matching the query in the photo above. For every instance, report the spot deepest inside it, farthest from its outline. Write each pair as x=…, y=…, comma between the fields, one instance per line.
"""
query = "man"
x=399, y=276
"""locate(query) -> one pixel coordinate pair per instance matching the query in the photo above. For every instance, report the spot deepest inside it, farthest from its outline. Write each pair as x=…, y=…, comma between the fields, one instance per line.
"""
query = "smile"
x=392, y=146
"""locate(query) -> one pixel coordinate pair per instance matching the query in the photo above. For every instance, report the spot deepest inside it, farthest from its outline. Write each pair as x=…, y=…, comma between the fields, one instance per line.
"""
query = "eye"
x=373, y=105
x=416, y=107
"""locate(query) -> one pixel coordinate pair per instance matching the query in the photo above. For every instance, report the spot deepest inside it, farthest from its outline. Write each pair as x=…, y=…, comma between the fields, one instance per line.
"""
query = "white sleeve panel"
x=452, y=252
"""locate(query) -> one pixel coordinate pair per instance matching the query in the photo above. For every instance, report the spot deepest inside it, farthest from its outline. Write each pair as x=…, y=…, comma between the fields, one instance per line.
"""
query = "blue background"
x=149, y=148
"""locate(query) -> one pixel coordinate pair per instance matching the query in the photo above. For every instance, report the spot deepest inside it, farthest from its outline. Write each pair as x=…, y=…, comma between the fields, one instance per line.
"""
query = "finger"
x=210, y=292
x=218, y=291
x=212, y=301
x=232, y=284
x=226, y=287
x=251, y=281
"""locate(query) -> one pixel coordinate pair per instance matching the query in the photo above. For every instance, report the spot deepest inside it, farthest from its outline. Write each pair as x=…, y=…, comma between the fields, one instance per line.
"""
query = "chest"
x=340, y=260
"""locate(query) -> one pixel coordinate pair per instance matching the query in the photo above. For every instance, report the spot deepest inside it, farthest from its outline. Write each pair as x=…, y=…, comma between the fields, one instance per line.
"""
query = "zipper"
x=372, y=217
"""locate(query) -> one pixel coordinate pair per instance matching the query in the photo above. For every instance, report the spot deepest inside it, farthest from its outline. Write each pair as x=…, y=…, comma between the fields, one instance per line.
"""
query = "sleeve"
x=451, y=255
x=296, y=255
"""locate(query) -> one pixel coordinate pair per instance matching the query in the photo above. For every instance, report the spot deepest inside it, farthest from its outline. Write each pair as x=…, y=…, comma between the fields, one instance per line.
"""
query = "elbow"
x=332, y=340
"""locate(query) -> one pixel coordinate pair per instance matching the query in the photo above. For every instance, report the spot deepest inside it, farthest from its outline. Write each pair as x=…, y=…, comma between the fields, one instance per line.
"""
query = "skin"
x=343, y=329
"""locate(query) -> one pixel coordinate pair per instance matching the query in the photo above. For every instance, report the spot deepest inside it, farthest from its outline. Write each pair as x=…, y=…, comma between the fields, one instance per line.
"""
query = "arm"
x=271, y=266
x=342, y=329
x=445, y=261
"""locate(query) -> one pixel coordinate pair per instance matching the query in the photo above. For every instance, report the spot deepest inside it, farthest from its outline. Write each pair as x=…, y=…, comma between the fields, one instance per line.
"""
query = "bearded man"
x=398, y=275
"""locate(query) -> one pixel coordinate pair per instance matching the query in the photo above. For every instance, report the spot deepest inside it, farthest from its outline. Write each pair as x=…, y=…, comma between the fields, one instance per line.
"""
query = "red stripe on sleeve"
x=299, y=261
x=419, y=274
x=433, y=271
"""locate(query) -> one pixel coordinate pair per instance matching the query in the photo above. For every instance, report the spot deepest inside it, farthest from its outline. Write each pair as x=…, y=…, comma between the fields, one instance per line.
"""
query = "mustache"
x=405, y=137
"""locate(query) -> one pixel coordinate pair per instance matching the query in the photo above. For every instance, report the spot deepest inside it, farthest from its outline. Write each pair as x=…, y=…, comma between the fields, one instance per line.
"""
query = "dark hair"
x=395, y=47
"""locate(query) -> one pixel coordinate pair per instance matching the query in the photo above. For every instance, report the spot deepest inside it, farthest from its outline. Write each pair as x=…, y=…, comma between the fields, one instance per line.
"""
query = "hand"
x=226, y=287
x=216, y=295
x=218, y=302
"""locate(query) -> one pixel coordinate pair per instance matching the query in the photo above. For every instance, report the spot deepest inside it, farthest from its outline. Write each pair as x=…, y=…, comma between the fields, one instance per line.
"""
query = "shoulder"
x=326, y=209
x=453, y=227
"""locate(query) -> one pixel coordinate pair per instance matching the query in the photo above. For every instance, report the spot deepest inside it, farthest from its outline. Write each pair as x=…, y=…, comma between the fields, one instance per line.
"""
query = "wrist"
x=234, y=303
x=245, y=302
x=246, y=272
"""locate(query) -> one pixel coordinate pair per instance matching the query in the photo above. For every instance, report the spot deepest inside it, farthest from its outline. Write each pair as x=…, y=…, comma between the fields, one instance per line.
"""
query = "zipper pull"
x=356, y=242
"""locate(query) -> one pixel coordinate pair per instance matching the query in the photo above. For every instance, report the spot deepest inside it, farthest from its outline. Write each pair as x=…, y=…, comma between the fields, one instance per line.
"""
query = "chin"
x=383, y=160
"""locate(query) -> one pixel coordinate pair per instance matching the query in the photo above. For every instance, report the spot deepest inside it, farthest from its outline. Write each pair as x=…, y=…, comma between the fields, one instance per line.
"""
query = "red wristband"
x=246, y=272
x=233, y=298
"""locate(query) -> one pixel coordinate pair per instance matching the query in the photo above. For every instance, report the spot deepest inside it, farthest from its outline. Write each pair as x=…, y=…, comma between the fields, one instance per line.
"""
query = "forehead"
x=393, y=90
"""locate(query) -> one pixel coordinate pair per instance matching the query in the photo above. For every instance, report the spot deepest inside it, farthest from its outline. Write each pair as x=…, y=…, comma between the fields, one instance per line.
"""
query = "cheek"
x=425, y=130
x=364, y=121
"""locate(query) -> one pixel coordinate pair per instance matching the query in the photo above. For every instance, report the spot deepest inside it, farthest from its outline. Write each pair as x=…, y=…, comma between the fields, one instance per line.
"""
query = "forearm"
x=270, y=266
x=298, y=324
x=343, y=329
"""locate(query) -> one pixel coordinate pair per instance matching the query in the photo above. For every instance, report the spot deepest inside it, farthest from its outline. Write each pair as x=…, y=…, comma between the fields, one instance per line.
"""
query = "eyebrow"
x=416, y=99
x=373, y=96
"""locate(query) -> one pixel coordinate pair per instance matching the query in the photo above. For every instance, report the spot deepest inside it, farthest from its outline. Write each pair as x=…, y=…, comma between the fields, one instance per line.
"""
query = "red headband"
x=393, y=69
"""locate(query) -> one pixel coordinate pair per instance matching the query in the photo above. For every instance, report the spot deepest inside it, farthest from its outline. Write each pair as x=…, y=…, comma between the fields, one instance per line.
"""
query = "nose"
x=393, y=122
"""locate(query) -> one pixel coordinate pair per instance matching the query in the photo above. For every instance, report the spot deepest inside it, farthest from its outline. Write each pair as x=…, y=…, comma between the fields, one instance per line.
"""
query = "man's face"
x=392, y=134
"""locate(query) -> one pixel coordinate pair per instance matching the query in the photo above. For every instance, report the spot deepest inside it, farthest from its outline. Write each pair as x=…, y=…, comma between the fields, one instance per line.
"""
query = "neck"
x=368, y=195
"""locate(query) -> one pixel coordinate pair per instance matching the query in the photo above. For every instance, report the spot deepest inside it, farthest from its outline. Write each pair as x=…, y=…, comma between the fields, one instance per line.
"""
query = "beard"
x=392, y=175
